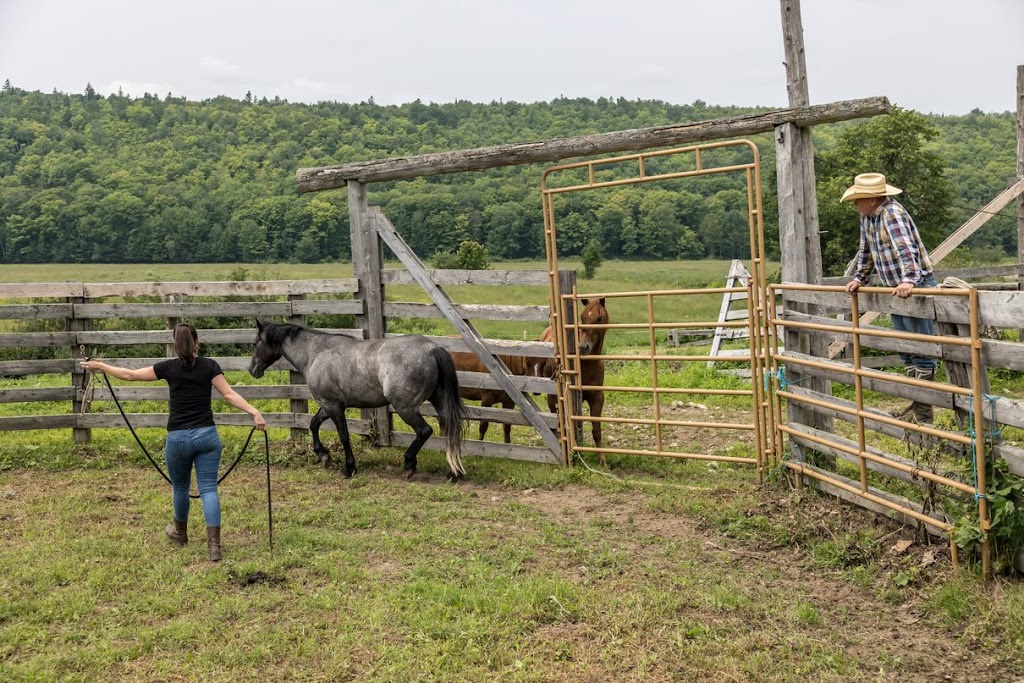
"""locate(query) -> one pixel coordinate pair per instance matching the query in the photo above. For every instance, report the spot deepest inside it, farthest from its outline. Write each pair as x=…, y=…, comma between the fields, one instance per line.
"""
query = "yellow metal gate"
x=650, y=314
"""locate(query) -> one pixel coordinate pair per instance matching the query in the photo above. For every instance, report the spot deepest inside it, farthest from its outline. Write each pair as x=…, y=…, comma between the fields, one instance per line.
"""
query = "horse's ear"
x=601, y=301
x=259, y=324
x=585, y=302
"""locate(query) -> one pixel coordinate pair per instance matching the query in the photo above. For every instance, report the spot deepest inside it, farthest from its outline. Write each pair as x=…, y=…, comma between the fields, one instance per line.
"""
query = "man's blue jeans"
x=906, y=323
x=202, y=448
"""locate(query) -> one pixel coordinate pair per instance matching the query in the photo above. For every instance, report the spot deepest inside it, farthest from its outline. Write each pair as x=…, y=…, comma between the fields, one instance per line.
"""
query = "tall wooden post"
x=367, y=261
x=1020, y=174
x=798, y=205
x=1020, y=218
x=297, y=405
x=172, y=323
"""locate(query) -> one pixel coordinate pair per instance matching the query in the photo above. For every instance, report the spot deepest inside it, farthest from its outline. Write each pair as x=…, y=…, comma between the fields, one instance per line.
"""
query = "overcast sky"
x=936, y=56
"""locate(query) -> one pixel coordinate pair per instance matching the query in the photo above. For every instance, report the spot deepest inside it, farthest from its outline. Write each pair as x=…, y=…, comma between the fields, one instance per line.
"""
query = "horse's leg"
x=337, y=413
x=423, y=431
x=321, y=452
x=595, y=399
x=508, y=403
x=487, y=400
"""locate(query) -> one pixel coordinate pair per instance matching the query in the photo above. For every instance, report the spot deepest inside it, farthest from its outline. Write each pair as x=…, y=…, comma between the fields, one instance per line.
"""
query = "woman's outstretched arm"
x=146, y=374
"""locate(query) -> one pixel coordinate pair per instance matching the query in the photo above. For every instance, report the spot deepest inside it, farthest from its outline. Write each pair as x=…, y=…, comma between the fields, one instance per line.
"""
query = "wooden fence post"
x=367, y=262
x=297, y=405
x=82, y=435
x=798, y=209
x=171, y=324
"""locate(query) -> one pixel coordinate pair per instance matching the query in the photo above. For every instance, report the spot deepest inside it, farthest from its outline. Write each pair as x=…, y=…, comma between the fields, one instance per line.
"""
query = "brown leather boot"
x=907, y=410
x=924, y=412
x=213, y=543
x=177, y=532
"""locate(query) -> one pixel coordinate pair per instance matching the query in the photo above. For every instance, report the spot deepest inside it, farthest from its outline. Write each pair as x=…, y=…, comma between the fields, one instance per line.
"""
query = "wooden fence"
x=97, y=316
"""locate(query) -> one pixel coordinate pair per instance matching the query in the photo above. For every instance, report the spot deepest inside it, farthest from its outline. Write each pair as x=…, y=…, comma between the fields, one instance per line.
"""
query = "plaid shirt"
x=891, y=246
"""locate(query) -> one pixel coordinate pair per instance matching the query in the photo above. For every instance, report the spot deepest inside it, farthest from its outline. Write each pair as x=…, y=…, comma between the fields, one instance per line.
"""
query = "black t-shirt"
x=190, y=406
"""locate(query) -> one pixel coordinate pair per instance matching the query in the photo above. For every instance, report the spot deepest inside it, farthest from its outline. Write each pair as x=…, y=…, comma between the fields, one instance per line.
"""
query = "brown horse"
x=518, y=365
x=591, y=370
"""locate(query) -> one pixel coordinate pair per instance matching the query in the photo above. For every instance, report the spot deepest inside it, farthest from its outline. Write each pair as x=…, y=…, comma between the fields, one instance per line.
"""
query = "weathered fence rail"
x=90, y=306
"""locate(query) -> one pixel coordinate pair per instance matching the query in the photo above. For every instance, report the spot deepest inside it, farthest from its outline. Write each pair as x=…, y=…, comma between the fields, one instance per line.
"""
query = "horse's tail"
x=450, y=410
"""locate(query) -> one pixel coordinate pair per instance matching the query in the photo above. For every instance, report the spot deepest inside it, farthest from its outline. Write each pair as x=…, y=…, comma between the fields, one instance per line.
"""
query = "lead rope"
x=266, y=447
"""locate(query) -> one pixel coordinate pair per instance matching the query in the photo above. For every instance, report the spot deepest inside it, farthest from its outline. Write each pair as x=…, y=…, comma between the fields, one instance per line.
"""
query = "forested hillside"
x=87, y=178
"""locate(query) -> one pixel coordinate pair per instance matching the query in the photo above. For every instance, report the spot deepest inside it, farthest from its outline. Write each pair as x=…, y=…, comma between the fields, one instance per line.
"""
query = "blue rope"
x=784, y=382
x=992, y=434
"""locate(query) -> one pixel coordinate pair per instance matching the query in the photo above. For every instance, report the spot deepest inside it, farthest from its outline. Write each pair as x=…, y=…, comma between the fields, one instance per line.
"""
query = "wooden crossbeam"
x=436, y=163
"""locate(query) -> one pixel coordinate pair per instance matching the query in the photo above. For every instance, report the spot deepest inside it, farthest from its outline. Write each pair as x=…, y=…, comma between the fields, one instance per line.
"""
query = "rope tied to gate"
x=991, y=434
x=87, y=389
x=781, y=379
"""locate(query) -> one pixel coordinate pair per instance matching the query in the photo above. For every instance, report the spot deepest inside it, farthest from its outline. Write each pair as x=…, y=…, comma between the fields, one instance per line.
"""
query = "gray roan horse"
x=342, y=372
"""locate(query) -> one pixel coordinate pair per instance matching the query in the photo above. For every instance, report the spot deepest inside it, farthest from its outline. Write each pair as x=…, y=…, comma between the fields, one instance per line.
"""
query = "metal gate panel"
x=633, y=169
x=859, y=451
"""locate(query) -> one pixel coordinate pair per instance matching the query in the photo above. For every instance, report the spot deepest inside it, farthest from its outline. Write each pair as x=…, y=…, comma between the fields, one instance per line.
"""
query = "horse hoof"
x=454, y=478
x=410, y=472
x=347, y=472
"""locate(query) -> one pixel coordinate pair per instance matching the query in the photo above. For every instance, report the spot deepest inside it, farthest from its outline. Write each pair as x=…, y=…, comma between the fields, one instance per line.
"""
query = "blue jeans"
x=906, y=323
x=200, y=447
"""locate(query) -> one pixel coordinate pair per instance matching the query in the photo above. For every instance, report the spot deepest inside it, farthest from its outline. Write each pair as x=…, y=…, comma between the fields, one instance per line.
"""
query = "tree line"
x=92, y=178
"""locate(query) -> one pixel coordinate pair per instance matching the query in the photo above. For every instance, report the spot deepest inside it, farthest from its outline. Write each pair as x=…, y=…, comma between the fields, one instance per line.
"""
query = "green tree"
x=70, y=162
x=513, y=231
x=591, y=258
x=689, y=246
x=470, y=256
x=660, y=228
x=724, y=227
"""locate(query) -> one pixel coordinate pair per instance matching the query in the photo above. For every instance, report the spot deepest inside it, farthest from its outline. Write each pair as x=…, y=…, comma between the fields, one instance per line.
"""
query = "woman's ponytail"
x=186, y=343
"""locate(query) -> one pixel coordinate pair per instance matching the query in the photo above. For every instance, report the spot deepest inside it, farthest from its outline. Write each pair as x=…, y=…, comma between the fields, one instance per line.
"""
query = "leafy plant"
x=1005, y=497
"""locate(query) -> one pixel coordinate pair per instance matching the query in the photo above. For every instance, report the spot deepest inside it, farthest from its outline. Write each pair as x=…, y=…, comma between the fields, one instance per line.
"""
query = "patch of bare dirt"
x=872, y=631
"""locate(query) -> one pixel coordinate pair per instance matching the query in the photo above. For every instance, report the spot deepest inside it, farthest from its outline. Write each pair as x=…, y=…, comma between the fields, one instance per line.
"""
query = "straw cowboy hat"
x=869, y=185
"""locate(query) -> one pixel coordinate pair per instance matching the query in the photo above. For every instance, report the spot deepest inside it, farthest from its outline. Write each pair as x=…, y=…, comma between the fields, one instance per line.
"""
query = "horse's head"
x=263, y=354
x=594, y=313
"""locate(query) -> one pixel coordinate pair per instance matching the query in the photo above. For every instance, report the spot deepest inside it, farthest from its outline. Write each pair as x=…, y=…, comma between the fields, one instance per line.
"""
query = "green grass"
x=525, y=573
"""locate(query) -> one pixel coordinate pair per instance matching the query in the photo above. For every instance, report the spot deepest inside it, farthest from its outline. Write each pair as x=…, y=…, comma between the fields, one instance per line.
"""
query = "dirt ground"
x=871, y=630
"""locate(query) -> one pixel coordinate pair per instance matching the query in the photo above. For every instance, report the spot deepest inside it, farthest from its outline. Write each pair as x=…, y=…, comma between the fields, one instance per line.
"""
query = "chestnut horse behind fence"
x=467, y=361
x=591, y=370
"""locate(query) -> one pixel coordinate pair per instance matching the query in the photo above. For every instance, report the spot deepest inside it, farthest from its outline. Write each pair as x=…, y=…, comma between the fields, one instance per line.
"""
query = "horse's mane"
x=276, y=334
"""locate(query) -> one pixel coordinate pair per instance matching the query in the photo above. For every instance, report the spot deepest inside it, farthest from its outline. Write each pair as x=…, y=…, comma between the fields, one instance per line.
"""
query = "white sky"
x=936, y=56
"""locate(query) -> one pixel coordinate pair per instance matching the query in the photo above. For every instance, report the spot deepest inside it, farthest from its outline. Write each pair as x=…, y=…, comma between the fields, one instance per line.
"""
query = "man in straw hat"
x=890, y=245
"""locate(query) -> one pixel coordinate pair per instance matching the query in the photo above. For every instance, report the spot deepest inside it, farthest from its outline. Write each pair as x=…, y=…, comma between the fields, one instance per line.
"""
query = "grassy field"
x=650, y=570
